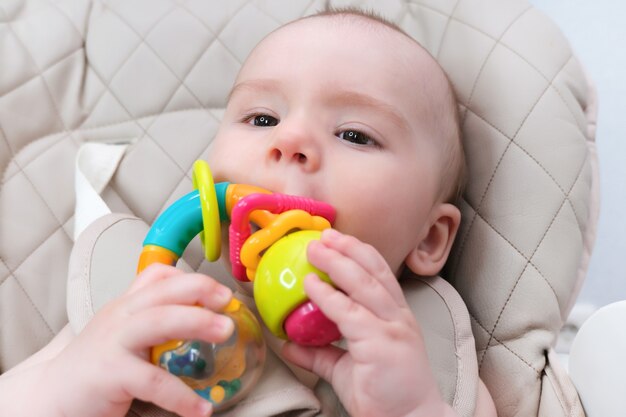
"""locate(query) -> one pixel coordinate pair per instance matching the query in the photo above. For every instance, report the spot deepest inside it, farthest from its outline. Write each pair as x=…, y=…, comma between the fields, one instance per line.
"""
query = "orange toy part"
x=155, y=254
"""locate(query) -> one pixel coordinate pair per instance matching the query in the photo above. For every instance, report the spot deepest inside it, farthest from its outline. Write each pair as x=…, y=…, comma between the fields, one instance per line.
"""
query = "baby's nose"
x=295, y=149
x=277, y=155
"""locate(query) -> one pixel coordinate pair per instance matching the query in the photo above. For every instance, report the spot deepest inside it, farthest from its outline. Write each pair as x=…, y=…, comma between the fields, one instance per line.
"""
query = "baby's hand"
x=385, y=370
x=106, y=366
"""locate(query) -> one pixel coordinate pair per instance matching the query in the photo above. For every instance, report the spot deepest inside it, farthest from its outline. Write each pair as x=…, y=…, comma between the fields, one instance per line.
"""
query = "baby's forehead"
x=339, y=25
x=406, y=58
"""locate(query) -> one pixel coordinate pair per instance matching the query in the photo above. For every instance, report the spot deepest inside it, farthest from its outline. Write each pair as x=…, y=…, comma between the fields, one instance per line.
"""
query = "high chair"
x=144, y=83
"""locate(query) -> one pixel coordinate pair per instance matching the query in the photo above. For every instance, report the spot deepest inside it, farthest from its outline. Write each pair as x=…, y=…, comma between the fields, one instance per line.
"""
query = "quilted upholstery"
x=156, y=73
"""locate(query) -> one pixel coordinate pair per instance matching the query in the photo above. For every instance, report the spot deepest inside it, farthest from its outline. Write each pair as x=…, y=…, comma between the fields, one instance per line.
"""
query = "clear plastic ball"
x=221, y=373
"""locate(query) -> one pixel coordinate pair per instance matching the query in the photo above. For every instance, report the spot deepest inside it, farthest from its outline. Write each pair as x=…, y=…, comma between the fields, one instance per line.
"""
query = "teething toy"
x=274, y=258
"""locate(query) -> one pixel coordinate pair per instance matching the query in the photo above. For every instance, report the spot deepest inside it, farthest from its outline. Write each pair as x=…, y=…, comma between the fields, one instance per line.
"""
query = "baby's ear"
x=432, y=251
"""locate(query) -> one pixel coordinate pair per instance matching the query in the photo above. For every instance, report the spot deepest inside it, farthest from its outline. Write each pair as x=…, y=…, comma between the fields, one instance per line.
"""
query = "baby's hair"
x=445, y=115
x=368, y=14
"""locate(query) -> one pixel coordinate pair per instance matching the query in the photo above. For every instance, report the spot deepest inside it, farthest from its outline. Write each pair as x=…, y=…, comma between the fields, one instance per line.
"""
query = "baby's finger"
x=153, y=273
x=357, y=283
x=158, y=325
x=153, y=384
x=319, y=360
x=367, y=256
x=186, y=289
x=353, y=320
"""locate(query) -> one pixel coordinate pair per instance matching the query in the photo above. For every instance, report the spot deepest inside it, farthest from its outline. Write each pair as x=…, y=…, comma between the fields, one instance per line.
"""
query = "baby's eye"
x=356, y=137
x=262, y=120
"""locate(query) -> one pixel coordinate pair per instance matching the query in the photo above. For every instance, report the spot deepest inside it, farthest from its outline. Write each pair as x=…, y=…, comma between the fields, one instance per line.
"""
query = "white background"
x=596, y=30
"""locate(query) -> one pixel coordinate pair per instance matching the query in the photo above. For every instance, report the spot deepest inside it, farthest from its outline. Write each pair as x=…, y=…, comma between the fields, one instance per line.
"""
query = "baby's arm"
x=385, y=369
x=56, y=345
x=100, y=371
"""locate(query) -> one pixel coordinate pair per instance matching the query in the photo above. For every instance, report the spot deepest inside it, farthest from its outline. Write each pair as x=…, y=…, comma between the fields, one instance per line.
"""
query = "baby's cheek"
x=393, y=240
x=368, y=229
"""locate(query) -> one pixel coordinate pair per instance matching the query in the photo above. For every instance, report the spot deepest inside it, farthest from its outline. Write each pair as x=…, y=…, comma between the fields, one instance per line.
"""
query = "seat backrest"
x=156, y=74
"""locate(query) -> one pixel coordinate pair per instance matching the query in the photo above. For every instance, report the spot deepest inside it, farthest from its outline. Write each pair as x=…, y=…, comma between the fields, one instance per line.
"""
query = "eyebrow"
x=264, y=84
x=348, y=97
x=336, y=97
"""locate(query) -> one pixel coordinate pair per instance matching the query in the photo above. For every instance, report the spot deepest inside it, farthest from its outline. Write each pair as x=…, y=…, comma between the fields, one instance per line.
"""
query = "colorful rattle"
x=273, y=257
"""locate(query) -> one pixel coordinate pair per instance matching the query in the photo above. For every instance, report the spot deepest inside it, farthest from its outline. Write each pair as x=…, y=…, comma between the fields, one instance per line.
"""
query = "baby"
x=341, y=107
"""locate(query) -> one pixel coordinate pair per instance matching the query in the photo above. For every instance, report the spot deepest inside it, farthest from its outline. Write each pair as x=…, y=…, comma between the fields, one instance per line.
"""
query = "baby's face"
x=332, y=111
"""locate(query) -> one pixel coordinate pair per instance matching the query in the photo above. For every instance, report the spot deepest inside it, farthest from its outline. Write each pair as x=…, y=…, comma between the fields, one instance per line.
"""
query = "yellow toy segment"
x=211, y=236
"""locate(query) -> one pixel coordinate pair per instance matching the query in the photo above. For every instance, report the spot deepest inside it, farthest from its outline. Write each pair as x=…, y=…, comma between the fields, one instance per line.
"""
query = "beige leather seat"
x=155, y=74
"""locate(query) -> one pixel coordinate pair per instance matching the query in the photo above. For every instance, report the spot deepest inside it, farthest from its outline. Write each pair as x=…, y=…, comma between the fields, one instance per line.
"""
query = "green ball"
x=279, y=280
